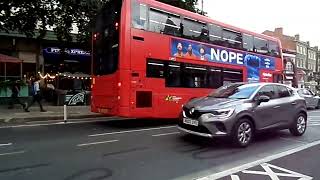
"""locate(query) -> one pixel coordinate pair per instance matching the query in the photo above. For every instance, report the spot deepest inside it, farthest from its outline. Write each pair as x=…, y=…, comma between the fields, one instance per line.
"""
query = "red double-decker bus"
x=150, y=58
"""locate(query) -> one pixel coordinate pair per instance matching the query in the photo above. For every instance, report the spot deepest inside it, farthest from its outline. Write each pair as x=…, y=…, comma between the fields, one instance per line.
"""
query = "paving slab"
x=18, y=115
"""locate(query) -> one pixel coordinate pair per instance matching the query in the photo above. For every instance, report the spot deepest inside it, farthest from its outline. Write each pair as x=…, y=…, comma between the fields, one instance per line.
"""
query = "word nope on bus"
x=226, y=56
x=218, y=54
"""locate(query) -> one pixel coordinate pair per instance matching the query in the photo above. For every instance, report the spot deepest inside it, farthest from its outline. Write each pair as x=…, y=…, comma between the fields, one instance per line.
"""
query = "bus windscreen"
x=106, y=38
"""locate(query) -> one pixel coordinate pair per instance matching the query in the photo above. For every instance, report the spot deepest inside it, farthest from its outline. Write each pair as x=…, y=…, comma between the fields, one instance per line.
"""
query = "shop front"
x=11, y=74
x=67, y=80
x=301, y=76
x=290, y=71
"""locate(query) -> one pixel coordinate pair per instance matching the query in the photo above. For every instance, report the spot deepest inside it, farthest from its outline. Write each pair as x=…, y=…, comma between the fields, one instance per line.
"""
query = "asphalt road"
x=144, y=150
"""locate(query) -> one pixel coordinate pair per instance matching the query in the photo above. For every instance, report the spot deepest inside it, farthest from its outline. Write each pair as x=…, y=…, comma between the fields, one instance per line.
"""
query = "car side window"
x=306, y=92
x=310, y=92
x=283, y=92
x=267, y=90
x=290, y=91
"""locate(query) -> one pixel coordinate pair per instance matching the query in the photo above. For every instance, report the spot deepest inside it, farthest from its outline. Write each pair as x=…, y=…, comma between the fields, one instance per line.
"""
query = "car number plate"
x=191, y=122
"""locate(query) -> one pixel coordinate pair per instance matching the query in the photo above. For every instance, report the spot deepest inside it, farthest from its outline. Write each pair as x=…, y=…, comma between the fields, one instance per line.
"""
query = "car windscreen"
x=235, y=91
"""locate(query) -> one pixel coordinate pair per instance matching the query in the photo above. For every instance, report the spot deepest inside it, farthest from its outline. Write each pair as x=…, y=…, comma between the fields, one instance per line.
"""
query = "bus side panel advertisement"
x=193, y=50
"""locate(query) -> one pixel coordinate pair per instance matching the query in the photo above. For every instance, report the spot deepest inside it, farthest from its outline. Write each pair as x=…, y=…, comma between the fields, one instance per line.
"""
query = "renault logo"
x=191, y=111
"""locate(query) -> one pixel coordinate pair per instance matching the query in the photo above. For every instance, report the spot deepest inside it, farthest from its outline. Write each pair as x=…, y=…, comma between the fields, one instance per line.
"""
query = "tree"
x=60, y=15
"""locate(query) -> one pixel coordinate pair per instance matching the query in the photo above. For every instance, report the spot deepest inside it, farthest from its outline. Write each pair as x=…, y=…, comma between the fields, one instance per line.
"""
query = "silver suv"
x=239, y=110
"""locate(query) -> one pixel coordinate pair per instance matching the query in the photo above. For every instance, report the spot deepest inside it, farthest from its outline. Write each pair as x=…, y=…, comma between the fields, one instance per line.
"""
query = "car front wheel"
x=299, y=126
x=242, y=133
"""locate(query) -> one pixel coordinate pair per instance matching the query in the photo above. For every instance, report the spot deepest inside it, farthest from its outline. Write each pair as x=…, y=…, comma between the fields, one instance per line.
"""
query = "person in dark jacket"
x=15, y=89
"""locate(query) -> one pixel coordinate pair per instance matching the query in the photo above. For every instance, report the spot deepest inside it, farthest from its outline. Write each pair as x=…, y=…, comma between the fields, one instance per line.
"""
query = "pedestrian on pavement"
x=15, y=89
x=36, y=94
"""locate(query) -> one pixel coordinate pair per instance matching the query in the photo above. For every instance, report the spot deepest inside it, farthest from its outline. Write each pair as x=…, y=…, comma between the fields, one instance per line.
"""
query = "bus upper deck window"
x=274, y=49
x=165, y=23
x=139, y=15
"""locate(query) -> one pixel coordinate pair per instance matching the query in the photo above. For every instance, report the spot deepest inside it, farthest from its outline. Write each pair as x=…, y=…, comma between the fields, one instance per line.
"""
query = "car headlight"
x=224, y=112
x=220, y=113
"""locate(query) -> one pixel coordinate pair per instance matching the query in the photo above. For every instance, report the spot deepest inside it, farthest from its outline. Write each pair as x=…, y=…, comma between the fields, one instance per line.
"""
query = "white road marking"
x=165, y=134
x=60, y=122
x=258, y=162
x=8, y=144
x=290, y=139
x=313, y=120
x=30, y=125
x=235, y=177
x=96, y=119
x=95, y=143
x=12, y=153
x=131, y=131
x=310, y=125
x=275, y=176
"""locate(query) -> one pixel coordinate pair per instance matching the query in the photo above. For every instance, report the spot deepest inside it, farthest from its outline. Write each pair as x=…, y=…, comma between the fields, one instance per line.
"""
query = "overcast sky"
x=296, y=17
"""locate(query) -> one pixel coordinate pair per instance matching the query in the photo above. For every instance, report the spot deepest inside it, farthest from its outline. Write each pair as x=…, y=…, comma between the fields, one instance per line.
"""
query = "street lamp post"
x=92, y=41
x=202, y=7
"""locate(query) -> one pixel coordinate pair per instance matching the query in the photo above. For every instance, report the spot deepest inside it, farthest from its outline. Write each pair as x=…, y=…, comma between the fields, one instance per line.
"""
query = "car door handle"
x=276, y=107
x=294, y=103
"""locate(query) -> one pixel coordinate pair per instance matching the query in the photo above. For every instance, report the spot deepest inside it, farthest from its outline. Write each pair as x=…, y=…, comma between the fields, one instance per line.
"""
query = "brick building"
x=303, y=56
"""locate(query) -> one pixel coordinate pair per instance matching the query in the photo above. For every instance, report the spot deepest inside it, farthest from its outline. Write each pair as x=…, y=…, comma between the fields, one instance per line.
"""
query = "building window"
x=309, y=55
x=300, y=63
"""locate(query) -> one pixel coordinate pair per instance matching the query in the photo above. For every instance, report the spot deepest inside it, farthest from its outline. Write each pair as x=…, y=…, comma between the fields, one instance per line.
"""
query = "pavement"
x=151, y=149
x=17, y=115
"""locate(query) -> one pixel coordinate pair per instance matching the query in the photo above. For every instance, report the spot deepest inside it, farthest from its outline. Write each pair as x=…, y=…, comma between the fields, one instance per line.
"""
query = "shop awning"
x=9, y=59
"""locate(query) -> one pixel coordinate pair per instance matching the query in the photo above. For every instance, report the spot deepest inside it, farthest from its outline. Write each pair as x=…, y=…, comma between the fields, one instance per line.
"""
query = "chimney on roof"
x=279, y=31
x=308, y=43
x=297, y=37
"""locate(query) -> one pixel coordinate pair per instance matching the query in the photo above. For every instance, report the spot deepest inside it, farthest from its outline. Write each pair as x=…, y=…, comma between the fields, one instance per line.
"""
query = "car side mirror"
x=262, y=99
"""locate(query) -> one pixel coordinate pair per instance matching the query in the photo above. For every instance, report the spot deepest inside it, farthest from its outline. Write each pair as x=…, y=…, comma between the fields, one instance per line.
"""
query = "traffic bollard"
x=65, y=113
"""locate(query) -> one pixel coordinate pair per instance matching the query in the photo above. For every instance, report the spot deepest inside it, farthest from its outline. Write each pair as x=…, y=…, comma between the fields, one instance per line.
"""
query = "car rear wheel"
x=299, y=126
x=242, y=133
